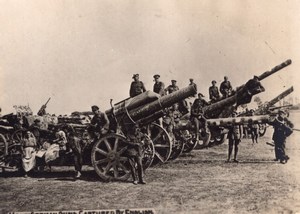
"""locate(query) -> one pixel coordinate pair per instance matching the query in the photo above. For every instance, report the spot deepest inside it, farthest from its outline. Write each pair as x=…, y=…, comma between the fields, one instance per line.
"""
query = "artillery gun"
x=224, y=108
x=269, y=108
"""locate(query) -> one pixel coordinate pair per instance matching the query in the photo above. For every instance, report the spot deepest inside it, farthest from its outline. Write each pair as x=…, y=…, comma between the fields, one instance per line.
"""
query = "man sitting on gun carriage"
x=134, y=152
x=197, y=117
x=29, y=146
x=99, y=125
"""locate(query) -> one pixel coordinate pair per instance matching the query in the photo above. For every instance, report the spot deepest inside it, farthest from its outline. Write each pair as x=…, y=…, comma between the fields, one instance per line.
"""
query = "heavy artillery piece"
x=225, y=107
x=269, y=108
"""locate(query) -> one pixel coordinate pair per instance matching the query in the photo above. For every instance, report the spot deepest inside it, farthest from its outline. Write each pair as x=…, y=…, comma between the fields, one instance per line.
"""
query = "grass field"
x=198, y=182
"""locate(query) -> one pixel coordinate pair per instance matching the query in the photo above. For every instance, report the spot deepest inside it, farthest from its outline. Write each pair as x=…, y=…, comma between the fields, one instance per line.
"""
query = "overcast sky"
x=82, y=53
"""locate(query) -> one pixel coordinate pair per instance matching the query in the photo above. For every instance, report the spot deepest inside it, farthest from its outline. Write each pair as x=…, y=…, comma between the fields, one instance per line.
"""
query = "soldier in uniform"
x=134, y=153
x=193, y=84
x=234, y=138
x=173, y=87
x=253, y=129
x=137, y=87
x=197, y=117
x=214, y=92
x=99, y=124
x=226, y=88
x=159, y=87
x=282, y=129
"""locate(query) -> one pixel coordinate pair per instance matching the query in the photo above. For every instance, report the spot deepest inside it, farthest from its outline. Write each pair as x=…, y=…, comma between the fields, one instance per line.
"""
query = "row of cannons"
x=106, y=154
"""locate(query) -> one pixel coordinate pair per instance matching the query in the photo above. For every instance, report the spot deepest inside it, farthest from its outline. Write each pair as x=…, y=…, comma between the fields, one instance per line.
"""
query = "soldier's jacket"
x=225, y=87
x=159, y=88
x=170, y=89
x=135, y=143
x=30, y=141
x=281, y=130
x=213, y=92
x=136, y=88
x=100, y=121
x=197, y=107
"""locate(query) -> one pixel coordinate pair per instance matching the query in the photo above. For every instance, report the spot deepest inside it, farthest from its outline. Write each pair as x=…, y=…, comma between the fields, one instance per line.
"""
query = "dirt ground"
x=199, y=182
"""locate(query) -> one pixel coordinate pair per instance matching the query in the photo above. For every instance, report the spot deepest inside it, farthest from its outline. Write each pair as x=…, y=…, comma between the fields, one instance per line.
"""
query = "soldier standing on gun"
x=134, y=152
x=159, y=87
x=173, y=87
x=226, y=88
x=282, y=129
x=214, y=92
x=99, y=125
x=193, y=84
x=234, y=138
x=137, y=87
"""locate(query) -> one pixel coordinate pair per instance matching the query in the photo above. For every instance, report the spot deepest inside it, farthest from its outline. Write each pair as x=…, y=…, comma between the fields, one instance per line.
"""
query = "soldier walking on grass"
x=234, y=138
x=282, y=129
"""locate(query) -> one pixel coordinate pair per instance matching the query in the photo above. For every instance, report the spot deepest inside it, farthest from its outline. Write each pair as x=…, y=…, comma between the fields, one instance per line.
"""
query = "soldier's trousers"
x=76, y=148
x=136, y=160
x=231, y=143
x=280, y=150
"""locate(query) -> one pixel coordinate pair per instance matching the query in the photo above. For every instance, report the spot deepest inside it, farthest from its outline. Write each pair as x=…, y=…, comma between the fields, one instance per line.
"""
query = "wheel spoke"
x=116, y=172
x=161, y=146
x=158, y=135
x=107, y=145
x=101, y=151
x=105, y=160
x=121, y=165
x=108, y=167
x=122, y=150
x=116, y=144
x=124, y=159
x=159, y=157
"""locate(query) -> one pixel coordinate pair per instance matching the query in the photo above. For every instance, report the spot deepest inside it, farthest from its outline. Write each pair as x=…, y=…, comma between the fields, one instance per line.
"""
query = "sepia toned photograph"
x=143, y=107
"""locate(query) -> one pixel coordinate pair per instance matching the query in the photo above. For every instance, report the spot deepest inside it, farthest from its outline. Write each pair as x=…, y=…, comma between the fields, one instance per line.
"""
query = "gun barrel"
x=238, y=120
x=161, y=103
x=280, y=96
x=275, y=69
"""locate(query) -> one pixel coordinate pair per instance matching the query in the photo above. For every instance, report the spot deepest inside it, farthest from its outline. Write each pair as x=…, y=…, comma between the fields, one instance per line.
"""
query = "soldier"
x=234, y=138
x=99, y=124
x=159, y=87
x=137, y=87
x=253, y=129
x=226, y=88
x=173, y=87
x=214, y=92
x=134, y=153
x=197, y=117
x=192, y=83
x=282, y=129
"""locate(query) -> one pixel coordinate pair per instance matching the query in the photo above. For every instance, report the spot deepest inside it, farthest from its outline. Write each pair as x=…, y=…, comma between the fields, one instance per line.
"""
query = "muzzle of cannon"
x=243, y=94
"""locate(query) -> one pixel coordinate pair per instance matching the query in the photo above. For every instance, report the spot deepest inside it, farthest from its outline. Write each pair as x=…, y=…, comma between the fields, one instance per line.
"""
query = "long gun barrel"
x=280, y=96
x=275, y=69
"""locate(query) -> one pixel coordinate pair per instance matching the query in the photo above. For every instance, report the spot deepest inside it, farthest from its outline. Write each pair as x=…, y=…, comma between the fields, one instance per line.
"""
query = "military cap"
x=156, y=76
x=135, y=75
x=214, y=81
x=173, y=80
x=201, y=95
x=191, y=79
x=95, y=108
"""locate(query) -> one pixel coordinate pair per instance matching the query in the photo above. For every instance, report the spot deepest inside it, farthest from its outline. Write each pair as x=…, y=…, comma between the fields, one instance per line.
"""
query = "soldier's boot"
x=140, y=174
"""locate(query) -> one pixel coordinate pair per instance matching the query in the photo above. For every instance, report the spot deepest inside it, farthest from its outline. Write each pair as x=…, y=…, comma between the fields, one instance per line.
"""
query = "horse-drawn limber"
x=106, y=154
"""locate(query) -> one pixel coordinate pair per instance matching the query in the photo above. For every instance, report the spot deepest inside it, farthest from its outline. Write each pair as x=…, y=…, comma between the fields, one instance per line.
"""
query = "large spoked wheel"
x=3, y=147
x=177, y=149
x=148, y=153
x=108, y=158
x=262, y=129
x=162, y=143
x=190, y=143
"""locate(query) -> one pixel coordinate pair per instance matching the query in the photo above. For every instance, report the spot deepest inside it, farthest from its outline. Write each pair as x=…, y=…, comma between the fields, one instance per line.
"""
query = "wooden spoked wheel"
x=108, y=158
x=162, y=143
x=3, y=147
x=177, y=149
x=190, y=142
